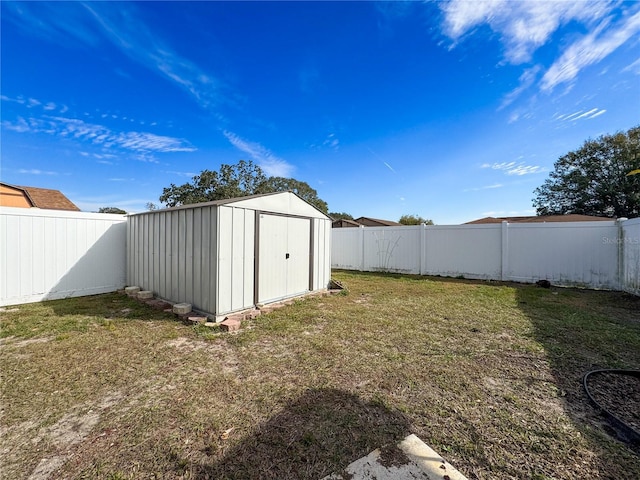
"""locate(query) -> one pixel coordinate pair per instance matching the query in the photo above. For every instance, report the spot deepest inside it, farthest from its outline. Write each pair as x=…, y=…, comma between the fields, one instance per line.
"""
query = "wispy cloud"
x=633, y=67
x=527, y=79
x=514, y=168
x=486, y=187
x=581, y=115
x=33, y=102
x=76, y=129
x=381, y=159
x=271, y=164
x=35, y=171
x=180, y=174
x=526, y=25
x=590, y=49
x=78, y=24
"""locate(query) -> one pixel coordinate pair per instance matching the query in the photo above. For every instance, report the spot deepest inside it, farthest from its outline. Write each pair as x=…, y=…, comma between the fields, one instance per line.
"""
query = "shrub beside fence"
x=602, y=255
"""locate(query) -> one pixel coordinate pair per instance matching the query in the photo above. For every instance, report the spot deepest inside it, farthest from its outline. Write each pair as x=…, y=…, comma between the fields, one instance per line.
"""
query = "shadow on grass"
x=320, y=432
x=580, y=331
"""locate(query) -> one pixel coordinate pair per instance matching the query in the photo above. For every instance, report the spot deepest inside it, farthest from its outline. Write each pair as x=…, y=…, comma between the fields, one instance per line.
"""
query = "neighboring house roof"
x=540, y=219
x=44, y=198
x=344, y=223
x=376, y=222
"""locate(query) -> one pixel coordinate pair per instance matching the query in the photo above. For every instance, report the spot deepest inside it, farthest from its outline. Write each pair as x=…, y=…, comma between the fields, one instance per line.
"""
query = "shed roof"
x=45, y=198
x=278, y=202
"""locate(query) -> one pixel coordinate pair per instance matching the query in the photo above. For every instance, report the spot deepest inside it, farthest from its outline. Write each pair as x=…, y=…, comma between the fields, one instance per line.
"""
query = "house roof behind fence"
x=45, y=198
x=540, y=219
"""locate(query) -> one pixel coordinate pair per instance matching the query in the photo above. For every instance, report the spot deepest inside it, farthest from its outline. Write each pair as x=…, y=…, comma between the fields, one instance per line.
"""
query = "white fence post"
x=423, y=242
x=621, y=253
x=504, y=267
x=361, y=242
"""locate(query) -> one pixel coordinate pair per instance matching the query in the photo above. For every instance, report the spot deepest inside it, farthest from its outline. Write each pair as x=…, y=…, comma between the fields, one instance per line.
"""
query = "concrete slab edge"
x=428, y=460
x=423, y=463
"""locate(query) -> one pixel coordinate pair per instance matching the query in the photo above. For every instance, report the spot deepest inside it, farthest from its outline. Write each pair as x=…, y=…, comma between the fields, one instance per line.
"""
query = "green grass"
x=486, y=373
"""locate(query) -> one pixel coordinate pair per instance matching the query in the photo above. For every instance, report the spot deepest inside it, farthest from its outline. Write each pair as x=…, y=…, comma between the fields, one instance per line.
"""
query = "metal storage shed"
x=230, y=255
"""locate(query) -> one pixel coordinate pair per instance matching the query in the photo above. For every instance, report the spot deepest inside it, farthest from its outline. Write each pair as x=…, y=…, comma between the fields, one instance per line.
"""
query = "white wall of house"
x=52, y=254
x=589, y=254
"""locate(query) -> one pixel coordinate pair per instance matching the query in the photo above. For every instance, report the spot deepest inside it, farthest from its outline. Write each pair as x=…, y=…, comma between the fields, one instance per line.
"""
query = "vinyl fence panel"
x=629, y=243
x=52, y=254
x=603, y=254
x=570, y=253
x=471, y=251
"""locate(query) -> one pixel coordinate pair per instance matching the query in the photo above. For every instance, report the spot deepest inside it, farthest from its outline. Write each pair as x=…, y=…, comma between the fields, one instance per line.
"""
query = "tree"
x=116, y=210
x=414, y=220
x=302, y=189
x=231, y=181
x=339, y=216
x=594, y=179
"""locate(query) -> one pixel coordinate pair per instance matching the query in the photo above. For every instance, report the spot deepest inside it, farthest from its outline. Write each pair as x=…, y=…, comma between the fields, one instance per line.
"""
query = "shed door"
x=283, y=256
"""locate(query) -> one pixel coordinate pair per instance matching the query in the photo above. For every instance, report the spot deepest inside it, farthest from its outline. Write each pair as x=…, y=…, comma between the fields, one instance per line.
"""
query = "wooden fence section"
x=587, y=254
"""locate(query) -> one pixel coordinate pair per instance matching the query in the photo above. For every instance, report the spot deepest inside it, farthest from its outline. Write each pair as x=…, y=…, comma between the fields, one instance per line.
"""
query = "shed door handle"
x=286, y=255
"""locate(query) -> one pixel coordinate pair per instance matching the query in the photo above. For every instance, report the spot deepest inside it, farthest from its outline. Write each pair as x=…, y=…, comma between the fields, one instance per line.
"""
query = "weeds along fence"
x=602, y=255
x=51, y=254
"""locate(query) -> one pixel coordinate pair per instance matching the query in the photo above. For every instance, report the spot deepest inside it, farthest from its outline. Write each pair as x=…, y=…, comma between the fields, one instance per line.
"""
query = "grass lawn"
x=487, y=373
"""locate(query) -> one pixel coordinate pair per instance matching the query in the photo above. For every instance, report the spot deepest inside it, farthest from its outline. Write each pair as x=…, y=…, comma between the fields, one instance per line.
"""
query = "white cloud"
x=580, y=115
x=486, y=187
x=87, y=24
x=633, y=67
x=524, y=26
x=527, y=79
x=513, y=168
x=142, y=143
x=589, y=50
x=35, y=171
x=20, y=125
x=271, y=164
x=181, y=174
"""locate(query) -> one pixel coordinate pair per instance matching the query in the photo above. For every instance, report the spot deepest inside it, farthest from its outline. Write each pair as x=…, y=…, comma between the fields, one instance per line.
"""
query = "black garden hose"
x=626, y=431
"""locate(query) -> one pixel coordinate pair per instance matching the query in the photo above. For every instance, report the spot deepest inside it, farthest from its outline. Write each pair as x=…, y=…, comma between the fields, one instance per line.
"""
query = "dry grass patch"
x=487, y=373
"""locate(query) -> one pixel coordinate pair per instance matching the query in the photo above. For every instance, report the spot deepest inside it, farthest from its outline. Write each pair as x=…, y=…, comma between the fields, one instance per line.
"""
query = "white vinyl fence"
x=630, y=256
x=589, y=254
x=50, y=254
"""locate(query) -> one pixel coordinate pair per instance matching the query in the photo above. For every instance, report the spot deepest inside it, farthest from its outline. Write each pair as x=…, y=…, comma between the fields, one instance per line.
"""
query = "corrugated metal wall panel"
x=50, y=254
x=321, y=253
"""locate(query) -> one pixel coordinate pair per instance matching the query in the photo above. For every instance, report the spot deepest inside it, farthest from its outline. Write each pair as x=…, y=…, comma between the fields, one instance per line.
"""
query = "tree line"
x=601, y=178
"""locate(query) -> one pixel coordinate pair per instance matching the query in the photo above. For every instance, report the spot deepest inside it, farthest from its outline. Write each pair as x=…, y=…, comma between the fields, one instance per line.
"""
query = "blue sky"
x=449, y=110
